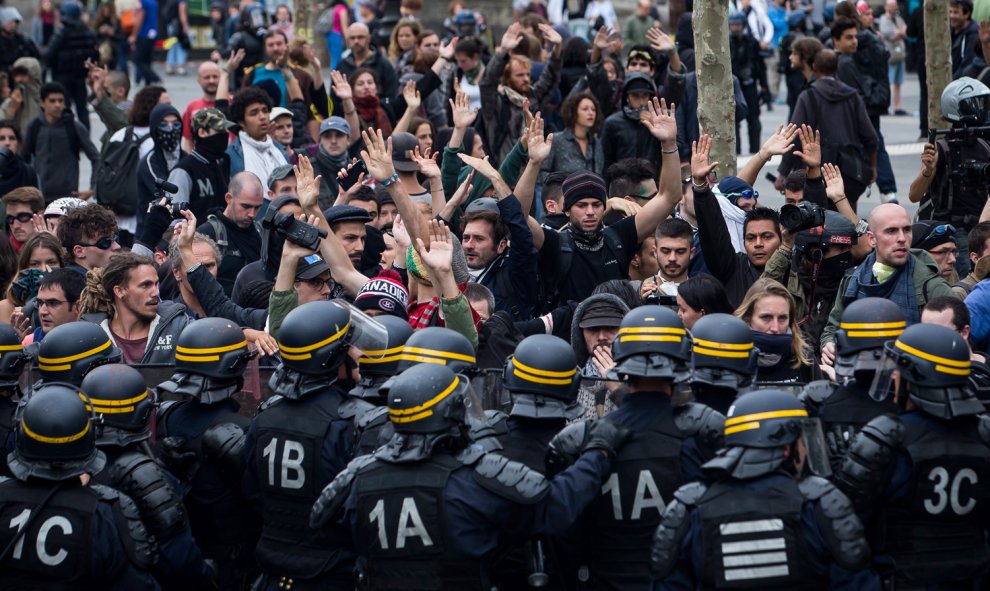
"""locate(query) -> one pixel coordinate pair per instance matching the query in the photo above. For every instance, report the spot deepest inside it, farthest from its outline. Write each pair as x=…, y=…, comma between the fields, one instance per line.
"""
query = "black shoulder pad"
x=331, y=500
x=141, y=478
x=816, y=393
x=702, y=422
x=565, y=447
x=673, y=527
x=223, y=448
x=983, y=428
x=138, y=543
x=375, y=416
x=270, y=402
x=871, y=453
x=352, y=408
x=510, y=480
x=842, y=529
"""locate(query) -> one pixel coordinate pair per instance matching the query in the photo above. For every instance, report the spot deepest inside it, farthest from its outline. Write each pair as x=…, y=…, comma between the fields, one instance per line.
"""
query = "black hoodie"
x=155, y=165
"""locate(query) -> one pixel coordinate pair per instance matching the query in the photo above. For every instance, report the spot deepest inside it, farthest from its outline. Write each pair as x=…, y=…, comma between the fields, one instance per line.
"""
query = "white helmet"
x=966, y=101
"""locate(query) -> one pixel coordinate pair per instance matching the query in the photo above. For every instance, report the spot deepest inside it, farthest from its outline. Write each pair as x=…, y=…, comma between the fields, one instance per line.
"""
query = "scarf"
x=370, y=111
x=898, y=288
x=472, y=75
x=260, y=157
x=511, y=95
x=589, y=241
x=775, y=350
x=734, y=220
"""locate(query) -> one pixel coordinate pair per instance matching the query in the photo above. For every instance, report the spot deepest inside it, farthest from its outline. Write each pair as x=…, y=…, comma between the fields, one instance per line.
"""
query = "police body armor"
x=141, y=478
x=528, y=444
x=936, y=532
x=368, y=420
x=288, y=456
x=843, y=412
x=404, y=525
x=738, y=525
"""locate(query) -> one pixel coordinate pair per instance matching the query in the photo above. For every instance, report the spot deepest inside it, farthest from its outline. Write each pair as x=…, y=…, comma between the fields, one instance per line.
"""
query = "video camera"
x=165, y=190
x=802, y=216
x=293, y=230
x=963, y=168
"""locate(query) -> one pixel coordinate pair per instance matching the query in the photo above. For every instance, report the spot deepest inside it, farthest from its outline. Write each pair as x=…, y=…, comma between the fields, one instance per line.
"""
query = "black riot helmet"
x=651, y=343
x=122, y=402
x=428, y=399
x=56, y=435
x=210, y=357
x=543, y=378
x=378, y=366
x=438, y=345
x=723, y=353
x=759, y=426
x=71, y=350
x=935, y=363
x=314, y=338
x=866, y=325
x=13, y=359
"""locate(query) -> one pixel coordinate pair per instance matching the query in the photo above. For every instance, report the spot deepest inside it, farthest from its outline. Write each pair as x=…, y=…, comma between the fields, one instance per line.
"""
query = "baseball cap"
x=311, y=267
x=403, y=143
x=279, y=112
x=278, y=173
x=601, y=313
x=210, y=118
x=338, y=124
x=483, y=204
x=62, y=205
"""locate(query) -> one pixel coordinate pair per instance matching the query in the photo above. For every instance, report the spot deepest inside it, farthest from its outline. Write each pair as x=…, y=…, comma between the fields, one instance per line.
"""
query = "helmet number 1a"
x=946, y=488
x=41, y=544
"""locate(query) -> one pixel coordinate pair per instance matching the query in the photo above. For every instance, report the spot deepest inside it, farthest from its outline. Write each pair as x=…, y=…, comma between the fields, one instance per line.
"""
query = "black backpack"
x=116, y=177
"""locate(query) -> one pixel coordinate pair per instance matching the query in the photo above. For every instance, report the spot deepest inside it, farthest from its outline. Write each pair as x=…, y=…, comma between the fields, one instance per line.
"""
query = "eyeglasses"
x=103, y=243
x=318, y=283
x=945, y=251
x=51, y=304
x=747, y=194
x=23, y=217
x=166, y=126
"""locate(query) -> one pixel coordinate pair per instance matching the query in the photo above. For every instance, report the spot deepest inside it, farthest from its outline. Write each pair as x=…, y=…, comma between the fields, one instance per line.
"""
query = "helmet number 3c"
x=946, y=488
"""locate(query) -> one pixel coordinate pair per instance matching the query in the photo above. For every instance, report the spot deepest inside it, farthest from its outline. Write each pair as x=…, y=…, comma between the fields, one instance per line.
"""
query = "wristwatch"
x=862, y=227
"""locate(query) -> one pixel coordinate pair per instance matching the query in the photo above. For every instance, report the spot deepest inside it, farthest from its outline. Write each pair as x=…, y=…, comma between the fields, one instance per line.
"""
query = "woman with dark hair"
x=364, y=86
x=41, y=254
x=701, y=295
x=579, y=146
x=574, y=59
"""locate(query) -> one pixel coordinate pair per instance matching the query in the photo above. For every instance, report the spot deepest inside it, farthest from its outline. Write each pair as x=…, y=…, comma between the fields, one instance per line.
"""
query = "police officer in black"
x=668, y=446
x=296, y=445
x=124, y=405
x=723, y=360
x=59, y=531
x=201, y=439
x=13, y=360
x=763, y=522
x=846, y=404
x=428, y=510
x=922, y=475
x=71, y=350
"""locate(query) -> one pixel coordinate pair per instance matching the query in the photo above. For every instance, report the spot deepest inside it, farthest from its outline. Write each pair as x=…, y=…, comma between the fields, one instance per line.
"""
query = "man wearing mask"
x=165, y=124
x=624, y=135
x=208, y=78
x=202, y=175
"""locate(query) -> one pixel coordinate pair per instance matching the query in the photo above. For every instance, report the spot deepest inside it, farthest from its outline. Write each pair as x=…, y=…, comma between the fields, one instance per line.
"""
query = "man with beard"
x=208, y=78
x=125, y=303
x=674, y=249
x=202, y=175
x=347, y=223
x=233, y=228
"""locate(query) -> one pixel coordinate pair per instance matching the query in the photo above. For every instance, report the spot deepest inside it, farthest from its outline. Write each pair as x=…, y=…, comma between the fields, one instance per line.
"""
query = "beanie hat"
x=386, y=293
x=420, y=272
x=583, y=185
x=732, y=188
x=928, y=234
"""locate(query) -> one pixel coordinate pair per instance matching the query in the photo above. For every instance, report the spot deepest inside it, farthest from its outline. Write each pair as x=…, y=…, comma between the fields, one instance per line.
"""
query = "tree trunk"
x=716, y=100
x=937, y=53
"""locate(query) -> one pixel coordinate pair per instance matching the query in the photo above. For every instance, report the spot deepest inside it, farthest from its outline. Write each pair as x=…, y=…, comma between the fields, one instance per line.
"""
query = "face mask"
x=775, y=349
x=168, y=140
x=212, y=147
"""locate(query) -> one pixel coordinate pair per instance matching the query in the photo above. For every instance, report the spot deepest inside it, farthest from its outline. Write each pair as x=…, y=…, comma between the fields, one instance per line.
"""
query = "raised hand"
x=929, y=160
x=231, y=64
x=412, y=96
x=537, y=145
x=341, y=87
x=463, y=190
x=426, y=162
x=512, y=37
x=185, y=231
x=659, y=40
x=660, y=120
x=835, y=189
x=447, y=49
x=439, y=253
x=811, y=146
x=700, y=167
x=601, y=40
x=401, y=235
x=307, y=184
x=781, y=142
x=482, y=165
x=463, y=114
x=550, y=35
x=378, y=155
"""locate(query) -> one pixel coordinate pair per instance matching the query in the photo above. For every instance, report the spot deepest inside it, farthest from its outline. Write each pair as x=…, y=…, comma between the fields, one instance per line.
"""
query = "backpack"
x=117, y=175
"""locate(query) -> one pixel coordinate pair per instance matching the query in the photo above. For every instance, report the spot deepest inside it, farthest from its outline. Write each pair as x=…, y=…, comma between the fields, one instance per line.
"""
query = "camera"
x=293, y=230
x=802, y=216
x=165, y=190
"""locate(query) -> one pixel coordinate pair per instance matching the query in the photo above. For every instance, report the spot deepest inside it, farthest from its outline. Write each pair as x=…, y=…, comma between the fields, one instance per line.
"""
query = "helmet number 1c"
x=41, y=544
x=946, y=488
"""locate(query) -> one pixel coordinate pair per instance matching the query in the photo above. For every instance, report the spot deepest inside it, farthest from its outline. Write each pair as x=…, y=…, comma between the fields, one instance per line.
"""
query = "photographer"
x=952, y=183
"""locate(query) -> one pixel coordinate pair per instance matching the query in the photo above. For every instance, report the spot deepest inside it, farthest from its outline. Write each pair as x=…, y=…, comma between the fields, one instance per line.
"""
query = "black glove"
x=575, y=439
x=155, y=225
x=606, y=436
x=184, y=464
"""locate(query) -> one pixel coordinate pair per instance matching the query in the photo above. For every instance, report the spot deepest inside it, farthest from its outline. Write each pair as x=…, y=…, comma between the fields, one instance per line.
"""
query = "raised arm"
x=428, y=167
x=781, y=142
x=539, y=148
x=342, y=90
x=835, y=190
x=377, y=157
x=921, y=183
x=662, y=124
x=413, y=101
x=227, y=69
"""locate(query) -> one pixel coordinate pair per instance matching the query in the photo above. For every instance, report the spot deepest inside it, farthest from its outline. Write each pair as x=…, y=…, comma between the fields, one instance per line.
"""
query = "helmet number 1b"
x=946, y=488
x=288, y=464
x=41, y=544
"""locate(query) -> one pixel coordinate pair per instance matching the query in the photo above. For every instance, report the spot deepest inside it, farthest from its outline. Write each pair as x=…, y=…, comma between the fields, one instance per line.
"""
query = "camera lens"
x=792, y=217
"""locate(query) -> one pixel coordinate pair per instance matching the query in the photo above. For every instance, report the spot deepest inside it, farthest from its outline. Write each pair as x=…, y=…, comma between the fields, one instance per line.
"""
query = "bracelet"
x=391, y=180
x=703, y=187
x=927, y=176
x=840, y=201
x=662, y=151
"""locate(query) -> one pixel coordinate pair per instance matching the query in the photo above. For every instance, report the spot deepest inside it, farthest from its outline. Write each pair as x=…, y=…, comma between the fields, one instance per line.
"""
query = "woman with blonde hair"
x=402, y=46
x=771, y=314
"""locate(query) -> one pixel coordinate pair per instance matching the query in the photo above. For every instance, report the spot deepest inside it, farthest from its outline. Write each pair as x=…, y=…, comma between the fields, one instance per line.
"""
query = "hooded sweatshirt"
x=592, y=393
x=160, y=160
x=624, y=136
x=30, y=91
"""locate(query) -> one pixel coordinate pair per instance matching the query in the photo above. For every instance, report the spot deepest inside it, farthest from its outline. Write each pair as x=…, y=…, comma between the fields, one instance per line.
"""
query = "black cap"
x=311, y=267
x=601, y=313
x=346, y=213
x=403, y=143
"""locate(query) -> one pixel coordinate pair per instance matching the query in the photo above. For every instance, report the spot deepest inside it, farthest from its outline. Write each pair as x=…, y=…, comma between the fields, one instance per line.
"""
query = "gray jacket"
x=162, y=335
x=566, y=156
x=592, y=393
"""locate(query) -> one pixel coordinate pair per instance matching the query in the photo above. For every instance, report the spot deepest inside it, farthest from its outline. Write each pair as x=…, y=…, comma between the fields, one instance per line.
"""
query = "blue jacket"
x=978, y=302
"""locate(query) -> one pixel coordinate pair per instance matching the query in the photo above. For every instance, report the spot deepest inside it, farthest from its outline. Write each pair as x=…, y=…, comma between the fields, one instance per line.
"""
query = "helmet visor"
x=975, y=108
x=887, y=377
x=369, y=336
x=814, y=444
x=474, y=409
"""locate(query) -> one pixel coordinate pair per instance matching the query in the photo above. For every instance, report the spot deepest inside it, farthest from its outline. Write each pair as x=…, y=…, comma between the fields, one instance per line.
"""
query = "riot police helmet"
x=542, y=377
x=966, y=101
x=723, y=353
x=866, y=325
x=122, y=402
x=314, y=338
x=651, y=343
x=13, y=359
x=378, y=366
x=56, y=435
x=69, y=351
x=428, y=399
x=935, y=363
x=210, y=357
x=438, y=345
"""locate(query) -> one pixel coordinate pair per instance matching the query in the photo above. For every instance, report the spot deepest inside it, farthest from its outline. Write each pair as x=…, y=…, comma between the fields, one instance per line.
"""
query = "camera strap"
x=816, y=266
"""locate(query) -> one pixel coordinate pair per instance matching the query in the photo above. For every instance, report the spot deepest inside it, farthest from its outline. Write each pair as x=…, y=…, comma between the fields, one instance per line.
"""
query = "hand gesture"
x=482, y=165
x=341, y=87
x=781, y=142
x=378, y=155
x=447, y=49
x=700, y=167
x=16, y=97
x=537, y=145
x=811, y=146
x=20, y=323
x=601, y=357
x=401, y=235
x=601, y=40
x=659, y=40
x=427, y=164
x=185, y=231
x=463, y=190
x=835, y=189
x=41, y=224
x=264, y=342
x=660, y=120
x=550, y=35
x=231, y=64
x=527, y=114
x=307, y=185
x=439, y=254
x=463, y=114
x=511, y=38
x=929, y=160
x=413, y=99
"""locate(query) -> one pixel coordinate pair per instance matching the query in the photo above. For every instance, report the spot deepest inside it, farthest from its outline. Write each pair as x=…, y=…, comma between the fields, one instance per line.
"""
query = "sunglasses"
x=166, y=126
x=103, y=243
x=942, y=230
x=747, y=194
x=23, y=217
